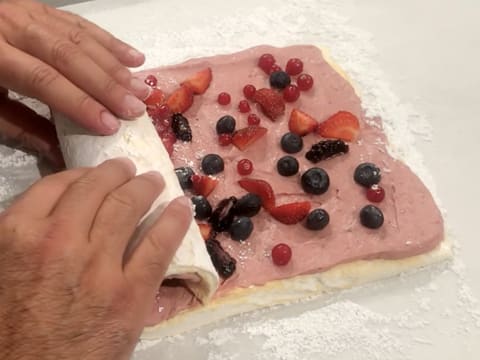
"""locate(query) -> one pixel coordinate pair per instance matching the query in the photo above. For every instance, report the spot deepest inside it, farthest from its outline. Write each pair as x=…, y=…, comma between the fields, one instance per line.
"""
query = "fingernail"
x=135, y=53
x=186, y=203
x=156, y=175
x=133, y=105
x=110, y=121
x=140, y=88
x=130, y=164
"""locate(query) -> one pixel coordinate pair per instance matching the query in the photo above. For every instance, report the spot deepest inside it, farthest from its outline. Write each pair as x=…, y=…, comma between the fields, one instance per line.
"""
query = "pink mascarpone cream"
x=413, y=223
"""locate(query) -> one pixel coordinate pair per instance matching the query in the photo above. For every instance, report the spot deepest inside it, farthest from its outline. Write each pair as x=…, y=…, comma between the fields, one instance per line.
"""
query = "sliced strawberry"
x=156, y=98
x=342, y=125
x=180, y=100
x=168, y=139
x=205, y=230
x=291, y=213
x=203, y=185
x=245, y=137
x=260, y=188
x=271, y=102
x=199, y=82
x=301, y=123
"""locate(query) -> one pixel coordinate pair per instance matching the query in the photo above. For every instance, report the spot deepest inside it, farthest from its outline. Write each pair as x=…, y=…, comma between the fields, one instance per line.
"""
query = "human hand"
x=70, y=64
x=67, y=289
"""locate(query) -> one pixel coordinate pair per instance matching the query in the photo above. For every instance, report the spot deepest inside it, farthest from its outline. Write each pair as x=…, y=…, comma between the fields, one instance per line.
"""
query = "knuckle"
x=42, y=76
x=122, y=202
x=85, y=102
x=63, y=52
x=155, y=242
x=119, y=71
x=110, y=86
x=84, y=185
x=76, y=36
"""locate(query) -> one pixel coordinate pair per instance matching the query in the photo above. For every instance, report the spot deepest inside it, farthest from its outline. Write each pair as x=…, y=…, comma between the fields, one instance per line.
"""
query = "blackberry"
x=222, y=261
x=326, y=149
x=184, y=175
x=212, y=164
x=279, y=80
x=181, y=127
x=222, y=217
x=248, y=205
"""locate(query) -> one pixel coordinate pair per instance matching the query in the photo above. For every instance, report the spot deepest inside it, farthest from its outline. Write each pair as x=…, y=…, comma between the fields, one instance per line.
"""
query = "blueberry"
x=279, y=80
x=248, y=205
x=287, y=166
x=203, y=209
x=184, y=175
x=367, y=174
x=315, y=181
x=317, y=219
x=226, y=125
x=371, y=217
x=291, y=143
x=241, y=228
x=212, y=164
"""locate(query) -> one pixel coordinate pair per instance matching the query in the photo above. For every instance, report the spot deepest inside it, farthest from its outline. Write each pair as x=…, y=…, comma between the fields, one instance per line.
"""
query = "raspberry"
x=224, y=98
x=294, y=66
x=151, y=80
x=281, y=254
x=304, y=82
x=265, y=62
x=244, y=106
x=375, y=194
x=249, y=91
x=291, y=93
x=274, y=68
x=253, y=119
x=244, y=167
x=225, y=139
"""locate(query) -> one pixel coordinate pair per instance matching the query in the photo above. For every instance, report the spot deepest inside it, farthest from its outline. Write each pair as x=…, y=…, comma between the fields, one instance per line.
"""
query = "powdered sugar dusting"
x=344, y=327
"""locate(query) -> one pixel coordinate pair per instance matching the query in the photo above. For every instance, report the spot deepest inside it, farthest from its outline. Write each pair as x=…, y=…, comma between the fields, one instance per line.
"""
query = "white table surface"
x=430, y=52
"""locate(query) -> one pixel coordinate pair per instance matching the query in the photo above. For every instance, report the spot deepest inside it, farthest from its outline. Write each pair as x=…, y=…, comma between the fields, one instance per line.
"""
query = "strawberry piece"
x=342, y=125
x=156, y=98
x=245, y=137
x=168, y=138
x=199, y=82
x=291, y=213
x=203, y=185
x=205, y=230
x=271, y=102
x=180, y=100
x=301, y=123
x=260, y=188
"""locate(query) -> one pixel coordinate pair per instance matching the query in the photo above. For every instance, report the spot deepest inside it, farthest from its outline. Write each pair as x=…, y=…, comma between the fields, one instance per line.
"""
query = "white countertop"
x=430, y=53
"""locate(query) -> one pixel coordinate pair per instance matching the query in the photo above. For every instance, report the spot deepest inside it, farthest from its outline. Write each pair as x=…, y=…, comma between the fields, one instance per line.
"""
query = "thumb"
x=21, y=124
